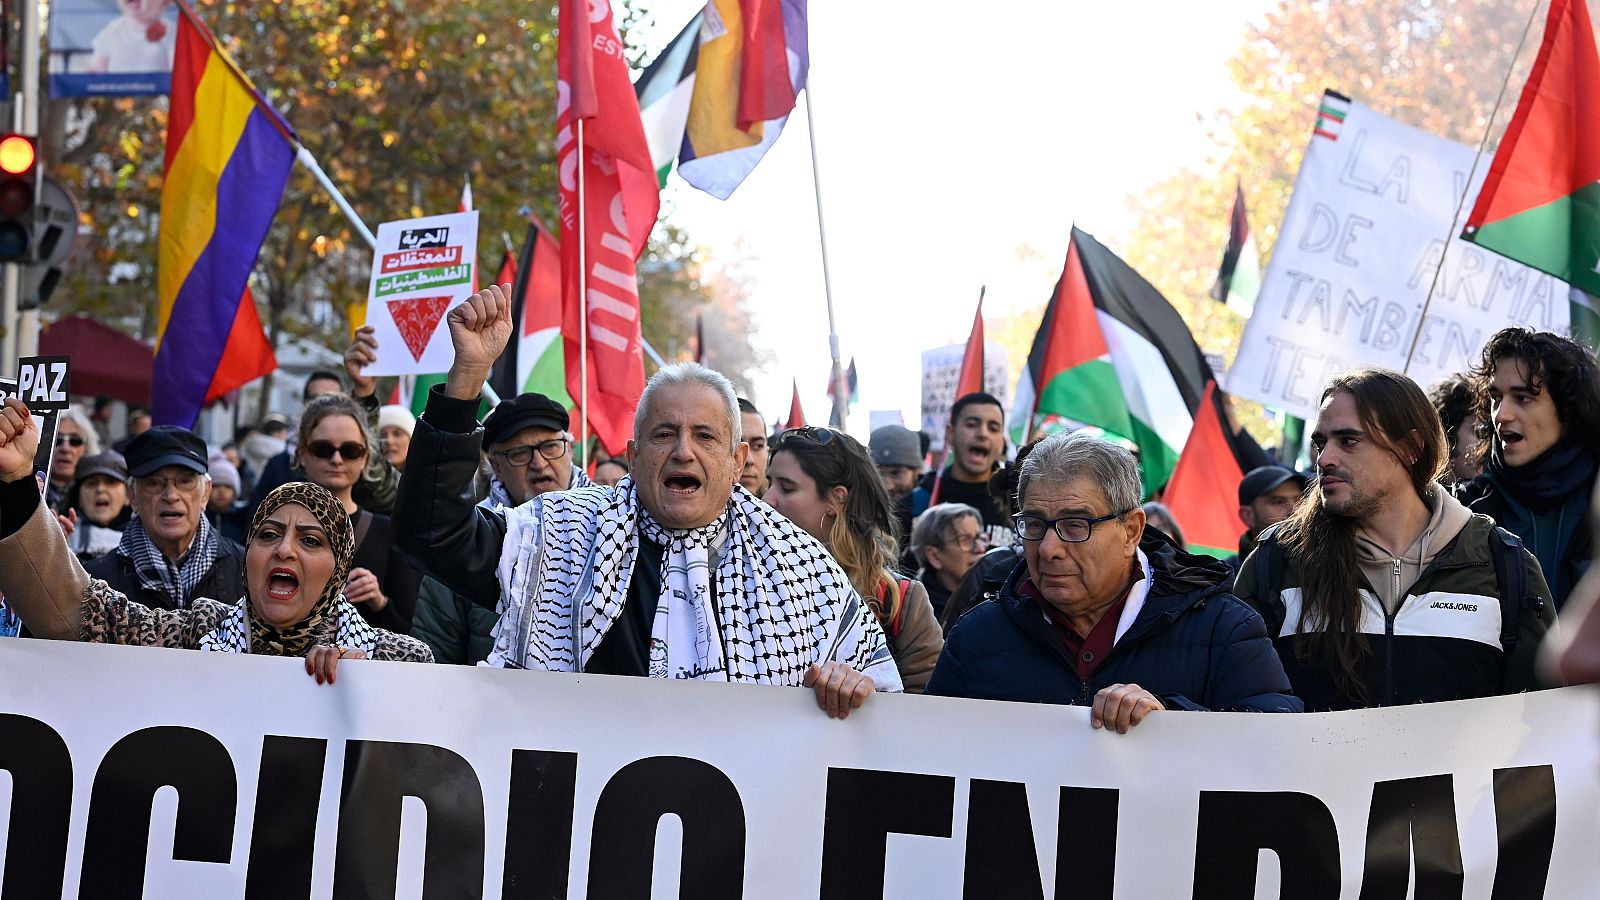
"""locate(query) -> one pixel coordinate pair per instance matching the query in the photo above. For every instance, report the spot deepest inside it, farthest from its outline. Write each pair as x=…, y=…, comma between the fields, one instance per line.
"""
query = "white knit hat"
x=398, y=417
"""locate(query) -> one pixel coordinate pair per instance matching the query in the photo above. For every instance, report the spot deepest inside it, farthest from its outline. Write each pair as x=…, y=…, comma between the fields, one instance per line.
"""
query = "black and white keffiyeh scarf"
x=750, y=598
x=154, y=570
x=499, y=496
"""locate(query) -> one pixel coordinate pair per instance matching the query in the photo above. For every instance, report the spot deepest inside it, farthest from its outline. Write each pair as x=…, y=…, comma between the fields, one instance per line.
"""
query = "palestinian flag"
x=664, y=90
x=535, y=360
x=1239, y=278
x=1113, y=355
x=1203, y=493
x=970, y=381
x=1540, y=204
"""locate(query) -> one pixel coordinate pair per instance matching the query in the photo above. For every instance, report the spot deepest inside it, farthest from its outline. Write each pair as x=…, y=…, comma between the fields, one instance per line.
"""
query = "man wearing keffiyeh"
x=169, y=553
x=675, y=572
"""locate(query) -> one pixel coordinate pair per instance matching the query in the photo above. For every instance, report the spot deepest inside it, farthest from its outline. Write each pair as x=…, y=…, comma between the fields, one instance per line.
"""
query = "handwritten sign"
x=423, y=268
x=1365, y=231
x=941, y=372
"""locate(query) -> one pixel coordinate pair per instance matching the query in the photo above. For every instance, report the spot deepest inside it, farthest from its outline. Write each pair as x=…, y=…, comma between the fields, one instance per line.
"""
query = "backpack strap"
x=1511, y=582
x=1268, y=562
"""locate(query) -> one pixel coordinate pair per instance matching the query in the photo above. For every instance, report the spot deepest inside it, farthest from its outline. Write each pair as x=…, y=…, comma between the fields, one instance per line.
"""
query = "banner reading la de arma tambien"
x=239, y=776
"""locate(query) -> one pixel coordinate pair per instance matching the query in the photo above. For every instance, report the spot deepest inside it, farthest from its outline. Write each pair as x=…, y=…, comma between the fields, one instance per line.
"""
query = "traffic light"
x=19, y=189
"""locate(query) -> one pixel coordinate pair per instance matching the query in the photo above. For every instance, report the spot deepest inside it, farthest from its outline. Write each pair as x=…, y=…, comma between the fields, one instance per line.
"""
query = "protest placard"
x=1373, y=205
x=941, y=373
x=422, y=268
x=240, y=776
x=45, y=390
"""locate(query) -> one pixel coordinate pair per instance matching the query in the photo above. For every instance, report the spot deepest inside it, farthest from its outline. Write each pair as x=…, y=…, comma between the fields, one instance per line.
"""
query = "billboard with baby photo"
x=111, y=48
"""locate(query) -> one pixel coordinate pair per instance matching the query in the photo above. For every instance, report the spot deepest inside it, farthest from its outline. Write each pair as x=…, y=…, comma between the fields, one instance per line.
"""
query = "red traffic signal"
x=19, y=188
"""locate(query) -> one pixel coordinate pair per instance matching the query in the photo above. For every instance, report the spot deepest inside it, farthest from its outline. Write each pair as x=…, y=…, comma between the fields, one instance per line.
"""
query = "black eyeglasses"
x=553, y=449
x=350, y=450
x=1072, y=529
x=70, y=440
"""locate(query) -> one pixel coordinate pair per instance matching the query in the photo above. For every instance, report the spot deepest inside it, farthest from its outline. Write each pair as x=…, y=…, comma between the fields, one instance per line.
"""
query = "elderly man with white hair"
x=1103, y=612
x=674, y=572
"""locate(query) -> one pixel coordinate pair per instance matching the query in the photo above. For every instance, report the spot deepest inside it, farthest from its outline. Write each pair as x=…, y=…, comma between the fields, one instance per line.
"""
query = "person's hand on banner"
x=1122, y=706
x=363, y=352
x=322, y=661
x=839, y=688
x=480, y=328
x=19, y=440
x=363, y=587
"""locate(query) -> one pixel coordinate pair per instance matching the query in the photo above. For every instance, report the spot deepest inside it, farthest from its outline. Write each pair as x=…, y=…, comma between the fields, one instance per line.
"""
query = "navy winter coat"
x=1194, y=645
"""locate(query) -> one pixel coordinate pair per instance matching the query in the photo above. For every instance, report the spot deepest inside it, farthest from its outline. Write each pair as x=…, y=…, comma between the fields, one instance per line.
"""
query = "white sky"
x=950, y=135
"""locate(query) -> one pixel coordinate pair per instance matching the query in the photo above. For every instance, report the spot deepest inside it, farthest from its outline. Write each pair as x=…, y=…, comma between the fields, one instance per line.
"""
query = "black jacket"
x=1193, y=645
x=1487, y=496
x=223, y=582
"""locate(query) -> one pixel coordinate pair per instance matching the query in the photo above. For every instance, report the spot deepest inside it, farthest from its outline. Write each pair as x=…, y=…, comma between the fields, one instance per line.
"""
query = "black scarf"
x=1548, y=479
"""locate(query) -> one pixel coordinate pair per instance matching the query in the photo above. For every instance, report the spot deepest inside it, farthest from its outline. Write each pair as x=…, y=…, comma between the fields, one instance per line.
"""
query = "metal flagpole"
x=1466, y=189
x=841, y=396
x=583, y=308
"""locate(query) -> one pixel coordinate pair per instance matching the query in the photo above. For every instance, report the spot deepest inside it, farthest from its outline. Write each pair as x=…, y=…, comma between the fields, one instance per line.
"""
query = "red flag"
x=508, y=270
x=1203, y=492
x=797, y=416
x=621, y=201
x=764, y=88
x=247, y=355
x=971, y=380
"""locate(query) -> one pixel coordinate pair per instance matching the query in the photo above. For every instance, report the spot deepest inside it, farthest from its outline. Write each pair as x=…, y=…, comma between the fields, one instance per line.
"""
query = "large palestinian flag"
x=1540, y=204
x=1112, y=354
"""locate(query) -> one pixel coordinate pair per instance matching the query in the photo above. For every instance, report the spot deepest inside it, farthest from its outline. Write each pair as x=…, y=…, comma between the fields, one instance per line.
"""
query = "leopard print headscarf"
x=321, y=623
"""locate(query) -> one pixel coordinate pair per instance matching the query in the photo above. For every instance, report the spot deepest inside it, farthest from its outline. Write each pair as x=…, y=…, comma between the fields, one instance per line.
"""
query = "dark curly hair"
x=1455, y=399
x=1564, y=366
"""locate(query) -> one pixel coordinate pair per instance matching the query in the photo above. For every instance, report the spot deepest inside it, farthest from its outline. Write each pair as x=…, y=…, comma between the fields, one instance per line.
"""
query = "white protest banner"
x=409, y=780
x=1372, y=206
x=941, y=371
x=421, y=269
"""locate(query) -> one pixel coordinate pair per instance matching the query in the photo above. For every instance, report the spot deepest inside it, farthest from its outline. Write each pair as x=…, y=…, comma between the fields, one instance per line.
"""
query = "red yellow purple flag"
x=228, y=158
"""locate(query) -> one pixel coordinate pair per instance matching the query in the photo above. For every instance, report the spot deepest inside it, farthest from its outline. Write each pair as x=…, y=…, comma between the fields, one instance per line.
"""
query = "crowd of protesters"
x=1426, y=554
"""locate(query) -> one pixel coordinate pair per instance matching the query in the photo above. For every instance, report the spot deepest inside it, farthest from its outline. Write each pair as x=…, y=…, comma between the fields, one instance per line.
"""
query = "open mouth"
x=170, y=516
x=1509, y=439
x=282, y=584
x=681, y=484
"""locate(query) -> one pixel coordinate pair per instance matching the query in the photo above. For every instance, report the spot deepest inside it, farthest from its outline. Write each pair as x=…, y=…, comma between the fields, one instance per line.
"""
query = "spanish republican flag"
x=1540, y=204
x=228, y=159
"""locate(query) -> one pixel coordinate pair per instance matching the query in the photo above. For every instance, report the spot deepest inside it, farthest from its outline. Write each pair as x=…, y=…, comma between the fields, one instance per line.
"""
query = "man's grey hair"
x=91, y=438
x=1061, y=458
x=690, y=373
x=933, y=527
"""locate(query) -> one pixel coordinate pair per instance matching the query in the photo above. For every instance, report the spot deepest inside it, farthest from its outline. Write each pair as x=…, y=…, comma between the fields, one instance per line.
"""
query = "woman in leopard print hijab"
x=298, y=556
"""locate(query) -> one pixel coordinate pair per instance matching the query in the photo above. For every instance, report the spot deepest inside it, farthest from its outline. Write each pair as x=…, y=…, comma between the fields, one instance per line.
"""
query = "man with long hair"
x=1540, y=392
x=1381, y=588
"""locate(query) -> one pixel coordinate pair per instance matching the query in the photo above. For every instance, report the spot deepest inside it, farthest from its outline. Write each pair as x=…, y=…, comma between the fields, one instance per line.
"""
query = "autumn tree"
x=401, y=103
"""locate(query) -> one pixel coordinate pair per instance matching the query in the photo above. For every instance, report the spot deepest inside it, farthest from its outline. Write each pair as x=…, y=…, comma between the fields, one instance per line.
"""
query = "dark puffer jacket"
x=1193, y=645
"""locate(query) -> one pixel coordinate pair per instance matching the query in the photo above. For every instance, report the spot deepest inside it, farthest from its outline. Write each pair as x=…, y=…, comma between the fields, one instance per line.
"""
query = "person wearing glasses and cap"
x=169, y=553
x=529, y=450
x=676, y=572
x=1102, y=612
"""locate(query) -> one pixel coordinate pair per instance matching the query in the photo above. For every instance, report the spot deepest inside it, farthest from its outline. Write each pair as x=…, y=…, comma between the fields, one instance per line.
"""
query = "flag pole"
x=1466, y=189
x=304, y=157
x=840, y=398
x=583, y=308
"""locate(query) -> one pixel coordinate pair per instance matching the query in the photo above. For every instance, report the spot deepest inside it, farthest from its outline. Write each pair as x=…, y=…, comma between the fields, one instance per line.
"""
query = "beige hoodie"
x=1392, y=577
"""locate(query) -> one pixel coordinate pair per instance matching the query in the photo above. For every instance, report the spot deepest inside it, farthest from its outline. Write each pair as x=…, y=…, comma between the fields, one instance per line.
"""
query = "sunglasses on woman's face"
x=350, y=450
x=70, y=440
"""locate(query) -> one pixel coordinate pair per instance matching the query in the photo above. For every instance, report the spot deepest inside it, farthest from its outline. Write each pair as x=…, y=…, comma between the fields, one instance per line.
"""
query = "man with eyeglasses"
x=529, y=450
x=1100, y=615
x=170, y=554
x=675, y=572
